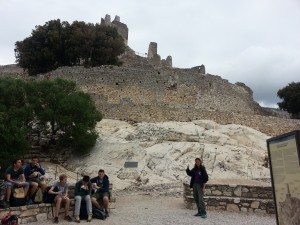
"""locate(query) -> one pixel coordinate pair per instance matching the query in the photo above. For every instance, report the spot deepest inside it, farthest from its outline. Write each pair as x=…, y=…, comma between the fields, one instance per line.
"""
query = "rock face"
x=163, y=151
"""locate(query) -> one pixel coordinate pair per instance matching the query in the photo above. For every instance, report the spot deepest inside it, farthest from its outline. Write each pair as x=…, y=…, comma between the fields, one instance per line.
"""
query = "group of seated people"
x=95, y=191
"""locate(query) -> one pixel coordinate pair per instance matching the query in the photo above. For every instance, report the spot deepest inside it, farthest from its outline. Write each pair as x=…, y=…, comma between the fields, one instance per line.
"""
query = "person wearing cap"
x=83, y=189
x=198, y=179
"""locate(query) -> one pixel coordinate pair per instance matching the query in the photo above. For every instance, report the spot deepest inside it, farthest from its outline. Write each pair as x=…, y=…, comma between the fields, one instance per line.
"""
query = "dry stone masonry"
x=168, y=94
x=235, y=198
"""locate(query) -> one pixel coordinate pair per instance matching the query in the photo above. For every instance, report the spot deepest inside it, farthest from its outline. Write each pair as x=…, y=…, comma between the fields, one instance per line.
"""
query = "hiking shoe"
x=106, y=213
x=55, y=220
x=77, y=219
x=198, y=214
x=204, y=216
x=68, y=218
x=89, y=219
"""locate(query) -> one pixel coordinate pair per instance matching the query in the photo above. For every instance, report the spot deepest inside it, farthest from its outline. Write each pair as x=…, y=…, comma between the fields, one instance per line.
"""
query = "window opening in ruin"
x=210, y=84
x=158, y=72
x=117, y=83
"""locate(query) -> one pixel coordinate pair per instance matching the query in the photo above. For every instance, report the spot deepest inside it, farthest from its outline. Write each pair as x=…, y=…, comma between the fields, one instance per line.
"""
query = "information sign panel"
x=284, y=157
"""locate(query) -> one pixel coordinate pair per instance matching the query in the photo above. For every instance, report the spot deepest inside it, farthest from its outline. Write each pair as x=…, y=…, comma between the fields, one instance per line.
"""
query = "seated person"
x=62, y=188
x=101, y=196
x=34, y=176
x=15, y=179
x=83, y=189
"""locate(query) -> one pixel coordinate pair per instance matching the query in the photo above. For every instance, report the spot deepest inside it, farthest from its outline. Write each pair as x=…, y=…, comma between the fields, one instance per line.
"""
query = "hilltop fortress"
x=148, y=88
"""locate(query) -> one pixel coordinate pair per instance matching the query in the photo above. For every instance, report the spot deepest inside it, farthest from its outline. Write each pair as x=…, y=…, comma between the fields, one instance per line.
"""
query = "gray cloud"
x=255, y=42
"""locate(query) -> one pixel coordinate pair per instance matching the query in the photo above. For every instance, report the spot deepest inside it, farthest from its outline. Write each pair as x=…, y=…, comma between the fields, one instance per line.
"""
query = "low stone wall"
x=236, y=198
x=32, y=213
x=43, y=211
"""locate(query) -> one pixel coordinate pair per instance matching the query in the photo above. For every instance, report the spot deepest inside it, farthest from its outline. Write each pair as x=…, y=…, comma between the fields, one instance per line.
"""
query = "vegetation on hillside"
x=54, y=109
x=290, y=96
x=57, y=44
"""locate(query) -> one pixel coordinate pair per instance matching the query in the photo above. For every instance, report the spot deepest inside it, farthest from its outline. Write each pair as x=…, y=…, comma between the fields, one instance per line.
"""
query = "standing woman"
x=198, y=179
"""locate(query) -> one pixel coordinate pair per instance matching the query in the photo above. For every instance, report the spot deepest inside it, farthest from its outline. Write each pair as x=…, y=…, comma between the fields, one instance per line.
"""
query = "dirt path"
x=140, y=209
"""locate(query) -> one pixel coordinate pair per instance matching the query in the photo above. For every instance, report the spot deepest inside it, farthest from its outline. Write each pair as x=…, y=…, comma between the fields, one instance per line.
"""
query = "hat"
x=86, y=178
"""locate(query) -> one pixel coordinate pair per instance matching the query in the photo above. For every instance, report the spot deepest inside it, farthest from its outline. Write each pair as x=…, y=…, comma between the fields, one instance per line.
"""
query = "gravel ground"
x=140, y=209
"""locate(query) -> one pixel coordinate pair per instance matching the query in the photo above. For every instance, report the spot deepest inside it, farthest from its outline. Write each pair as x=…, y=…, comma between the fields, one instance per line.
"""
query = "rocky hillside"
x=163, y=151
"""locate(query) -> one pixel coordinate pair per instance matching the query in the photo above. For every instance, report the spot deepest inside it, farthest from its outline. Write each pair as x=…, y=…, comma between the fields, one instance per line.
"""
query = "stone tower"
x=152, y=50
x=121, y=27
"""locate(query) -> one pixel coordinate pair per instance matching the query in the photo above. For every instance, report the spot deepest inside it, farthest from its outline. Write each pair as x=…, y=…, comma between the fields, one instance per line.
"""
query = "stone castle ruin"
x=121, y=27
x=150, y=89
x=131, y=57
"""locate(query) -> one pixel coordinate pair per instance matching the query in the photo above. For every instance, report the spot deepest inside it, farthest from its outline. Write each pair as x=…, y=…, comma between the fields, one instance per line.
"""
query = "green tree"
x=15, y=120
x=58, y=44
x=108, y=45
x=43, y=51
x=290, y=96
x=62, y=110
x=50, y=108
x=79, y=42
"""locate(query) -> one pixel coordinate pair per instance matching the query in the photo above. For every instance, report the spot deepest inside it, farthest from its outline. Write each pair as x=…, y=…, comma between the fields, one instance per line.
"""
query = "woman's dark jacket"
x=192, y=174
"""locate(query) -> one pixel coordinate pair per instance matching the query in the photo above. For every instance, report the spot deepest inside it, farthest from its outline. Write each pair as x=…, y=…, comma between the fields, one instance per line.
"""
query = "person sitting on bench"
x=83, y=189
x=15, y=179
x=101, y=184
x=62, y=195
x=34, y=175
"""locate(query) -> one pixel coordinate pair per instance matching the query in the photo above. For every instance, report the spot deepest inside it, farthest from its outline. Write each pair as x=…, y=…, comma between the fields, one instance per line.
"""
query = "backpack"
x=49, y=198
x=18, y=197
x=99, y=214
x=83, y=211
x=38, y=196
x=10, y=220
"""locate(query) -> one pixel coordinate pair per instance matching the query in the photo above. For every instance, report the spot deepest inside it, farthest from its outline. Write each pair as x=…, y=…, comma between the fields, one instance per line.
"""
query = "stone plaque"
x=131, y=164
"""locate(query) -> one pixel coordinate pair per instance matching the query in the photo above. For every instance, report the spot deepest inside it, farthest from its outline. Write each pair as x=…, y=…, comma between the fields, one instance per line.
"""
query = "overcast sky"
x=256, y=42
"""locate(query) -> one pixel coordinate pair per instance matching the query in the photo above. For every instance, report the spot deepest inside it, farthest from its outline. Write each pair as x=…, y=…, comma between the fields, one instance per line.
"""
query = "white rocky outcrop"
x=163, y=151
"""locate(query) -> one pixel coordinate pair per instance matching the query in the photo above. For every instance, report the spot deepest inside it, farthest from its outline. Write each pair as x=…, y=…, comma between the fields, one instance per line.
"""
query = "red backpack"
x=10, y=220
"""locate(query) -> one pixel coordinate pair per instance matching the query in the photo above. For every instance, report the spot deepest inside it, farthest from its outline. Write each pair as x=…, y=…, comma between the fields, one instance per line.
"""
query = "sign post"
x=284, y=157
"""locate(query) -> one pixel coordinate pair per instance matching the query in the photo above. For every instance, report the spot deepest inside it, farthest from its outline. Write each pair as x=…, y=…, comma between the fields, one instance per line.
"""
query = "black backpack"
x=83, y=211
x=49, y=198
x=17, y=201
x=99, y=214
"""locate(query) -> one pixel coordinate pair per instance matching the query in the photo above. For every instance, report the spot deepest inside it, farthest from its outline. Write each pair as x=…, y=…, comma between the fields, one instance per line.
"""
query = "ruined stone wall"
x=116, y=88
x=151, y=95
